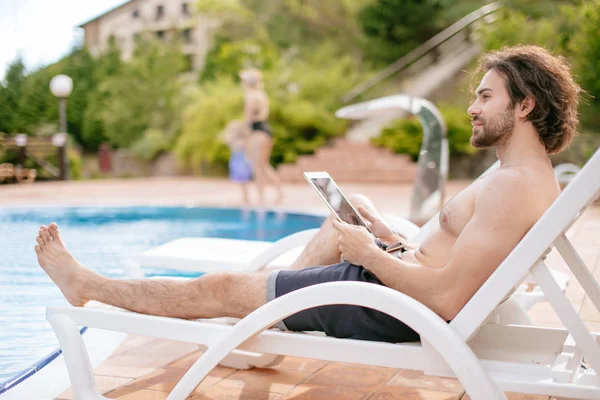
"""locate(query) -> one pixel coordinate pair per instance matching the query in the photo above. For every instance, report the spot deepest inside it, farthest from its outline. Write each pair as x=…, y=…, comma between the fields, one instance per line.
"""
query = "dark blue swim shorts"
x=341, y=321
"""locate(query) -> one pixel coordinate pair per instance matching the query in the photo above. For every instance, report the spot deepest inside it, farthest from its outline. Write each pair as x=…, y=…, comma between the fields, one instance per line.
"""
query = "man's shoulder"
x=507, y=191
x=506, y=181
x=525, y=192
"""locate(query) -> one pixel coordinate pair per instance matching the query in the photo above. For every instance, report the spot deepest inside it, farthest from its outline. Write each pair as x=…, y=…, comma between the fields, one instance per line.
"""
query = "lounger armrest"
x=402, y=226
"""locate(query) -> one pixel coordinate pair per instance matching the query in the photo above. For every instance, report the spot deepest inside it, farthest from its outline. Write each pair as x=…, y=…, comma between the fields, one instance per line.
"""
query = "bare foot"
x=68, y=274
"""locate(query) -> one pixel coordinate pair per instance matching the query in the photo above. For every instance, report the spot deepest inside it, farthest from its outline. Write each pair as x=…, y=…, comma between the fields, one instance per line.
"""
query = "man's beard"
x=494, y=132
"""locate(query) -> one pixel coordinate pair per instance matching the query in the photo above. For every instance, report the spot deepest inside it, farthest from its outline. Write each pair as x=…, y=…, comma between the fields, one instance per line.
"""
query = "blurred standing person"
x=236, y=136
x=256, y=113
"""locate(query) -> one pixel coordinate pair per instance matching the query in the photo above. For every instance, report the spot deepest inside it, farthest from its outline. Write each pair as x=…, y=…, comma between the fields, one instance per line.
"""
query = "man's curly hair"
x=534, y=71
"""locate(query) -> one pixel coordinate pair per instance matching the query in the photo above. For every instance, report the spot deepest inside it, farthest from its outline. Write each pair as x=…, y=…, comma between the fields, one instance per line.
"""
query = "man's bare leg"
x=210, y=296
x=323, y=249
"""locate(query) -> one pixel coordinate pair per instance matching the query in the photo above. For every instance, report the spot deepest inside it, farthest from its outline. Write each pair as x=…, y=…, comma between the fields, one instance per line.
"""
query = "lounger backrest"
x=559, y=217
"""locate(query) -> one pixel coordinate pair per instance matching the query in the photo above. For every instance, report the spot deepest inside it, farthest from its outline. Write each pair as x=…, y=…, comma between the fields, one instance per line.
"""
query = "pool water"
x=99, y=238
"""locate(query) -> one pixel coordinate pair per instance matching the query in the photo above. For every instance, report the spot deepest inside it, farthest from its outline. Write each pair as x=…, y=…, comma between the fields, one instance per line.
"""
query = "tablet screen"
x=337, y=201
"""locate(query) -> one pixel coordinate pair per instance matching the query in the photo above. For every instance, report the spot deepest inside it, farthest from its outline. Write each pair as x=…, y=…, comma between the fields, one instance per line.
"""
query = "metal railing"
x=35, y=148
x=431, y=46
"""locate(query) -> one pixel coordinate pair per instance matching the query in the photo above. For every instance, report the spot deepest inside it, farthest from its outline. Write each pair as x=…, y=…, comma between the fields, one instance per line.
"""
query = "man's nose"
x=474, y=110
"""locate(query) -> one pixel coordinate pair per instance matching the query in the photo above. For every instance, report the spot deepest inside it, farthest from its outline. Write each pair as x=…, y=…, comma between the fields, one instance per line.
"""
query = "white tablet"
x=331, y=194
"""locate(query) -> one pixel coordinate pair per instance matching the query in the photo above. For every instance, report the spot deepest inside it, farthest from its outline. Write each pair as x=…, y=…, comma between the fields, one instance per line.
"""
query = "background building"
x=162, y=19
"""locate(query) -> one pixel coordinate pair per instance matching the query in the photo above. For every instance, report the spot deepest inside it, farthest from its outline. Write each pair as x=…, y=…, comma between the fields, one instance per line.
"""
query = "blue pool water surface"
x=99, y=238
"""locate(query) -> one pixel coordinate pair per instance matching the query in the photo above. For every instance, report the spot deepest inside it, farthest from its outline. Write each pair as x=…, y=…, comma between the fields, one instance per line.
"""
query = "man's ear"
x=526, y=106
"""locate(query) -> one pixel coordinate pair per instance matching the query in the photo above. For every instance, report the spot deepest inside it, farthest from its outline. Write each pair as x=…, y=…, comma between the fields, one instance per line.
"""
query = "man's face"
x=492, y=116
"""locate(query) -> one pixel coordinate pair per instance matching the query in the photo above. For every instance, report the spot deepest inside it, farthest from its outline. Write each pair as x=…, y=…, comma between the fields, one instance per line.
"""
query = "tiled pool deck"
x=146, y=368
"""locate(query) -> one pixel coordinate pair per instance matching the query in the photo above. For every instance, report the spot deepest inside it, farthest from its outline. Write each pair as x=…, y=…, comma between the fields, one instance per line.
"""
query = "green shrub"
x=212, y=107
x=75, y=164
x=152, y=144
x=460, y=130
x=227, y=58
x=515, y=28
x=304, y=95
x=301, y=127
x=402, y=137
x=405, y=136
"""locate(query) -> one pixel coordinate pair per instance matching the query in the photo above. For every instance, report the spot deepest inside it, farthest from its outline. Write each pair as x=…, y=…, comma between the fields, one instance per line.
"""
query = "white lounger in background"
x=219, y=254
x=486, y=358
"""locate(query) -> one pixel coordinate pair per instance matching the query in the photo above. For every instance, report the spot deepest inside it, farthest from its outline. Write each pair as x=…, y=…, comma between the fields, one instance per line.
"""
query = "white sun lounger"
x=201, y=254
x=486, y=359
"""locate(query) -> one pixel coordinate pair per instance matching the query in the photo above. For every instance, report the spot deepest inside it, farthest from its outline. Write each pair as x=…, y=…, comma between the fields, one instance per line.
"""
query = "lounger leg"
x=567, y=314
x=76, y=357
x=512, y=312
x=240, y=359
x=581, y=272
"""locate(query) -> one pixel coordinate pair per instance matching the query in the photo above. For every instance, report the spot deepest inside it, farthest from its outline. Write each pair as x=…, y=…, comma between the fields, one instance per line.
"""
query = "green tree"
x=518, y=28
x=11, y=91
x=397, y=26
x=228, y=57
x=585, y=48
x=108, y=65
x=37, y=105
x=144, y=94
x=289, y=23
x=81, y=67
x=212, y=106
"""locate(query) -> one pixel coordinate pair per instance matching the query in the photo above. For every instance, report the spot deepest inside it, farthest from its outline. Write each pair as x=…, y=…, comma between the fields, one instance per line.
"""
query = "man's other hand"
x=355, y=243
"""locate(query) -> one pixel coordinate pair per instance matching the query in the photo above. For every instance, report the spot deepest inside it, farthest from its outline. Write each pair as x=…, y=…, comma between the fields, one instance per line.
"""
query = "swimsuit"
x=239, y=168
x=262, y=126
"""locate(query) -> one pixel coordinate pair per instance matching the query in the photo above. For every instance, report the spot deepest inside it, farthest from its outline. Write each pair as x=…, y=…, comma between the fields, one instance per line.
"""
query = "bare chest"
x=457, y=212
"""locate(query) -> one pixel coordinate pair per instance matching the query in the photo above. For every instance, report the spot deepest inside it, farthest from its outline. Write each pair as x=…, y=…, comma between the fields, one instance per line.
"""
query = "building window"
x=135, y=13
x=186, y=35
x=160, y=12
x=160, y=34
x=185, y=9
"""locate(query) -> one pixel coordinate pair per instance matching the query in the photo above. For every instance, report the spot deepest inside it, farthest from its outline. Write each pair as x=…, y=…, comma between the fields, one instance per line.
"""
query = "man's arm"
x=504, y=211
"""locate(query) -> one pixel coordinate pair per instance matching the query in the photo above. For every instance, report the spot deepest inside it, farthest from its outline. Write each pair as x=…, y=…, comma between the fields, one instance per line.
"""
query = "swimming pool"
x=99, y=238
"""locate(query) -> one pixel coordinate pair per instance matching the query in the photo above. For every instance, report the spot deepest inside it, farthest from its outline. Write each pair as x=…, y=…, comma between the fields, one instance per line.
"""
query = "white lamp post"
x=61, y=87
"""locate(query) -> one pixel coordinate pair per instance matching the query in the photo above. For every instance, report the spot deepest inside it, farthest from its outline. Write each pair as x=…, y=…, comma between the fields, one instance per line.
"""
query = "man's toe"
x=45, y=235
x=41, y=236
x=55, y=233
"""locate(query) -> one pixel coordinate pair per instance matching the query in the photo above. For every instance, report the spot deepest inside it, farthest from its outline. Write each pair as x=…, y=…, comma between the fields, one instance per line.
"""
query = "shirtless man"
x=525, y=106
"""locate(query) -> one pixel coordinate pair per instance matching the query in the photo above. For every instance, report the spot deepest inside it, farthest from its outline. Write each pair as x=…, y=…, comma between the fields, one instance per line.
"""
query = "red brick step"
x=348, y=161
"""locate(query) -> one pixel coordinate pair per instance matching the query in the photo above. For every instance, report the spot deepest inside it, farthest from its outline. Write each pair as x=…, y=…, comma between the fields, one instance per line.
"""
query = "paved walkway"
x=146, y=368
x=389, y=198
